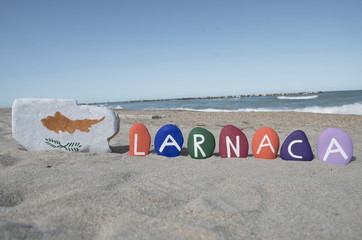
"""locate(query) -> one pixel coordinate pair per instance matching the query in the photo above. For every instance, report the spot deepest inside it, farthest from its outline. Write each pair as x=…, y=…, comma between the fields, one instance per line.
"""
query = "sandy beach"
x=60, y=195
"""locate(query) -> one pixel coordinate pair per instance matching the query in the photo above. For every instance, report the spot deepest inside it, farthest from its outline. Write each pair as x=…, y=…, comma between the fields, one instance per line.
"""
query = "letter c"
x=290, y=149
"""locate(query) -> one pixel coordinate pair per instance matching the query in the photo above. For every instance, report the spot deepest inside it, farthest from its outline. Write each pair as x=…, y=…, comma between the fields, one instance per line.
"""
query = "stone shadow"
x=119, y=149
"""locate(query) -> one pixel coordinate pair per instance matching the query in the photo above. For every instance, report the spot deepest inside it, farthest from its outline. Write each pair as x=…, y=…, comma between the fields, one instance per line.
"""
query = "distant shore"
x=228, y=96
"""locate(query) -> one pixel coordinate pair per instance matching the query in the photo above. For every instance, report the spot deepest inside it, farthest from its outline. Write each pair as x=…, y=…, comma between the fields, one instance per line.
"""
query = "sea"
x=333, y=102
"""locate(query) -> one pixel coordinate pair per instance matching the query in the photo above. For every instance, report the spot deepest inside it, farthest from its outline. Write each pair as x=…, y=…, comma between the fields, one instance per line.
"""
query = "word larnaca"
x=62, y=124
x=334, y=145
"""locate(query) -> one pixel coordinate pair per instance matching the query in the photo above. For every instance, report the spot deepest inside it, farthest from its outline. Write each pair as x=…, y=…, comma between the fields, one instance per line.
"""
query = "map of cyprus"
x=59, y=122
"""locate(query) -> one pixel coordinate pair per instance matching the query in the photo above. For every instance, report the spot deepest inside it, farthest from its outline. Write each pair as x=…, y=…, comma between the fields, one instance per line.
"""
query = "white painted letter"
x=236, y=148
x=290, y=149
x=265, y=145
x=172, y=143
x=198, y=143
x=135, y=147
x=337, y=149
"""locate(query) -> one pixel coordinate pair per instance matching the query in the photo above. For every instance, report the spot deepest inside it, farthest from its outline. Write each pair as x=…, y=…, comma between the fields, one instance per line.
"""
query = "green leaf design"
x=70, y=146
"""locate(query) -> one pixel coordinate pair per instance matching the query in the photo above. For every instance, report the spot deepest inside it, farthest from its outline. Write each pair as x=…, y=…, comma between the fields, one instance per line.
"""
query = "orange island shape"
x=61, y=123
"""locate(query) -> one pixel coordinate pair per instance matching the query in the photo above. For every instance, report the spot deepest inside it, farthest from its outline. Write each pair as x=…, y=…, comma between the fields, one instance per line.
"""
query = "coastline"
x=227, y=96
x=53, y=194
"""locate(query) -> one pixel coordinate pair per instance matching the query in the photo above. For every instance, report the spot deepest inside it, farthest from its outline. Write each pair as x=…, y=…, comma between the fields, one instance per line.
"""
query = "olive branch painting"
x=70, y=146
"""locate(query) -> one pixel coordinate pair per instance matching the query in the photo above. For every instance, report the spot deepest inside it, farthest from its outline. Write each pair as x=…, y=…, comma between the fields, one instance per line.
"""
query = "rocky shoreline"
x=229, y=96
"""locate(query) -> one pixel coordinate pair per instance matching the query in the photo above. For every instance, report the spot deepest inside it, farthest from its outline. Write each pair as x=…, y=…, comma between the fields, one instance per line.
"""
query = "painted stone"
x=169, y=141
x=233, y=143
x=296, y=147
x=335, y=146
x=139, y=140
x=62, y=124
x=265, y=143
x=200, y=143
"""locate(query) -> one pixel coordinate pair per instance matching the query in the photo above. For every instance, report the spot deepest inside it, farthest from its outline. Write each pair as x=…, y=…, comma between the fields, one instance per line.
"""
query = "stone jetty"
x=228, y=96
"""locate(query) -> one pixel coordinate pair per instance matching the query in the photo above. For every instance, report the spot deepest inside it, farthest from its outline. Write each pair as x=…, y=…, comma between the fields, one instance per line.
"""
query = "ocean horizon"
x=332, y=102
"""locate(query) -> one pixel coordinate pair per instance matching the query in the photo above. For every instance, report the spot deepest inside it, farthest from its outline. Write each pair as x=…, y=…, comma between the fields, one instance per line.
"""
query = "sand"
x=60, y=195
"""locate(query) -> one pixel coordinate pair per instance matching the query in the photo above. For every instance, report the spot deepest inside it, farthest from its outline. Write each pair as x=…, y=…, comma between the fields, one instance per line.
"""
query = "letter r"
x=198, y=143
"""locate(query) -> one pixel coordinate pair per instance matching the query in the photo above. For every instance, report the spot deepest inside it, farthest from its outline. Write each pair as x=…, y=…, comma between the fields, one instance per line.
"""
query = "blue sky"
x=97, y=51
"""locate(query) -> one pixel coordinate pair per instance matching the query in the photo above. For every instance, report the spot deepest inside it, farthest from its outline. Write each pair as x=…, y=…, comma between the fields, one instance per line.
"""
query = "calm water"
x=340, y=102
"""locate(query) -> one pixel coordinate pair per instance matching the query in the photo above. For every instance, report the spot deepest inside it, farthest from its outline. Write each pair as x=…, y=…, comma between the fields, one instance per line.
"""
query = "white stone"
x=62, y=124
